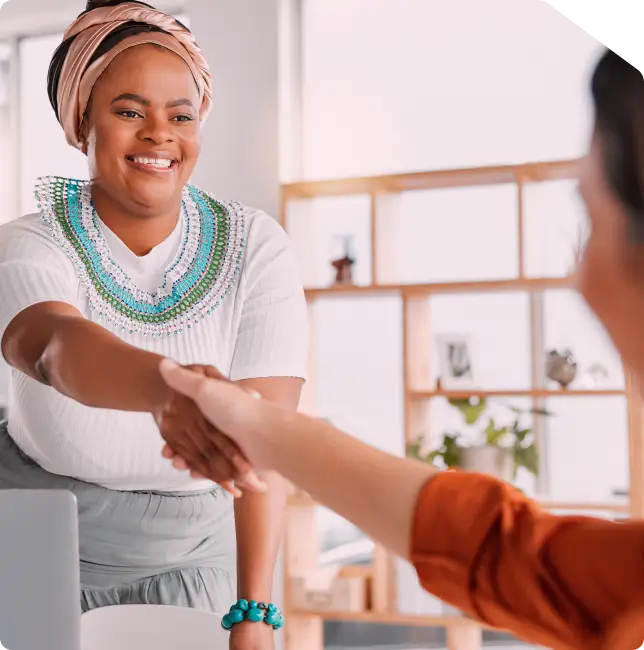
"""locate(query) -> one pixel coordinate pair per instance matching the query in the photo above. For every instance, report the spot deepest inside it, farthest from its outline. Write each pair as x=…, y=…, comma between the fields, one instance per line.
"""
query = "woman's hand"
x=234, y=411
x=204, y=449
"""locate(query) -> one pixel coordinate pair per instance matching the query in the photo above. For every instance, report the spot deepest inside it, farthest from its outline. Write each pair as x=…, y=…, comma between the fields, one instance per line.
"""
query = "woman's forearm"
x=94, y=367
x=259, y=518
x=375, y=491
x=259, y=523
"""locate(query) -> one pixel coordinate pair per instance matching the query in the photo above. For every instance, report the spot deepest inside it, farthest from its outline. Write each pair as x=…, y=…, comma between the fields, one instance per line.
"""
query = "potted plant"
x=498, y=450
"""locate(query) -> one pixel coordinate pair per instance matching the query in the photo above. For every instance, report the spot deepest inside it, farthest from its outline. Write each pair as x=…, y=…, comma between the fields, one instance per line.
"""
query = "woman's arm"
x=477, y=543
x=53, y=343
x=259, y=518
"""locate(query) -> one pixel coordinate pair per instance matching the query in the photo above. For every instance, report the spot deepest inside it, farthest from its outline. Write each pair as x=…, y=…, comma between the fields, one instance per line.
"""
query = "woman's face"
x=611, y=270
x=142, y=133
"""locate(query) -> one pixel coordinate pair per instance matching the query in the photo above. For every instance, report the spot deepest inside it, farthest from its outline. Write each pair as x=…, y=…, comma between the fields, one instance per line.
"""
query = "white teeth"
x=155, y=162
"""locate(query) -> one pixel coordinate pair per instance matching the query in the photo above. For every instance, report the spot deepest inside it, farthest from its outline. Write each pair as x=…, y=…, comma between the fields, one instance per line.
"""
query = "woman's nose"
x=158, y=130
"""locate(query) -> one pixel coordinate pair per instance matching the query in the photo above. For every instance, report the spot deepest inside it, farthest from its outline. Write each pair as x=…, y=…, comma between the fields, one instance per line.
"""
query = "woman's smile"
x=159, y=163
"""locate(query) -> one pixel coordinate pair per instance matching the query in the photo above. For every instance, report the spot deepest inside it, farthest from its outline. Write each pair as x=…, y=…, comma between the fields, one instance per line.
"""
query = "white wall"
x=240, y=158
x=37, y=17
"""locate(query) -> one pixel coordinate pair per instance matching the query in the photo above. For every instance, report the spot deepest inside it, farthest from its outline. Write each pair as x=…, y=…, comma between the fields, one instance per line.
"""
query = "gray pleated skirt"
x=156, y=548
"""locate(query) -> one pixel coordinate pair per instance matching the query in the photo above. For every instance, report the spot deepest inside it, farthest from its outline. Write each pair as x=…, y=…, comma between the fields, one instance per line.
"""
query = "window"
x=44, y=151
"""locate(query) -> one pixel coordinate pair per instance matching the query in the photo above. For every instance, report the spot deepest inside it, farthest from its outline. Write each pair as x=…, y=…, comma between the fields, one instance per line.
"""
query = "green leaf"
x=471, y=408
x=451, y=451
x=522, y=434
x=433, y=455
x=543, y=412
x=527, y=457
x=531, y=411
x=494, y=435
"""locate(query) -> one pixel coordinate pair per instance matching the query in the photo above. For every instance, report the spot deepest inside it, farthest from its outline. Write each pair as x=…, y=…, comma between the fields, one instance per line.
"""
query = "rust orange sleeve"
x=560, y=582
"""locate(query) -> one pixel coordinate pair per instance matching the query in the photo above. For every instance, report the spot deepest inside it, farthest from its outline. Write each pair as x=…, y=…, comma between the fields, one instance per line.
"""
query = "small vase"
x=561, y=367
x=492, y=461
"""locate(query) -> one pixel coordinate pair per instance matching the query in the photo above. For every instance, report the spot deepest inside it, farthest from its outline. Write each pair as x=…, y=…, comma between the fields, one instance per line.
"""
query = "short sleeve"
x=32, y=270
x=273, y=335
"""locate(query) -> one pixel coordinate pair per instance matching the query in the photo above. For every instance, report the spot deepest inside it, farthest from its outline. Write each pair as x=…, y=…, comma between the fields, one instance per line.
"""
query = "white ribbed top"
x=259, y=330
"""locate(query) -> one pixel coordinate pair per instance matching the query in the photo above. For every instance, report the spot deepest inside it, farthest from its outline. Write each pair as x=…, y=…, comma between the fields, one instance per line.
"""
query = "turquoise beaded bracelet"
x=243, y=610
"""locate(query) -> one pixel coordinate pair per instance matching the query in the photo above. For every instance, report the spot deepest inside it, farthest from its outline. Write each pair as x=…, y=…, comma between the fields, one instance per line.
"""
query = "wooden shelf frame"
x=528, y=392
x=300, y=500
x=432, y=180
x=484, y=286
x=304, y=629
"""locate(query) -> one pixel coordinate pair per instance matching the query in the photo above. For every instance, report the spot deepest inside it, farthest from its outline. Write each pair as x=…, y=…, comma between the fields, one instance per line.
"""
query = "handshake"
x=210, y=426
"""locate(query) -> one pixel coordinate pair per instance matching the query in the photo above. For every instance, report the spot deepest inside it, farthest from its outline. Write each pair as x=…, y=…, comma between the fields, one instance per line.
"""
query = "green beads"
x=254, y=612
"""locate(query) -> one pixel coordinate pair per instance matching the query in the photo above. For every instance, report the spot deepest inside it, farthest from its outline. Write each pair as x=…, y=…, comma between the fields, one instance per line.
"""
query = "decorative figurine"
x=343, y=265
x=561, y=367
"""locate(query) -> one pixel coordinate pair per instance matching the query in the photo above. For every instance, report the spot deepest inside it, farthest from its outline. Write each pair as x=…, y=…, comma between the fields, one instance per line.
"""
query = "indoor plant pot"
x=485, y=459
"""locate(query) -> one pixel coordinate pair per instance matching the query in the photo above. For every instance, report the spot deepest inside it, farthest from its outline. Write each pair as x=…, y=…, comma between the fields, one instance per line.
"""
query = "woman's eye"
x=183, y=118
x=129, y=114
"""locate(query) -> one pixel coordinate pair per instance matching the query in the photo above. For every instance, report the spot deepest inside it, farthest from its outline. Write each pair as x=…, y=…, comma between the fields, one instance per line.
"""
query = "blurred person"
x=569, y=583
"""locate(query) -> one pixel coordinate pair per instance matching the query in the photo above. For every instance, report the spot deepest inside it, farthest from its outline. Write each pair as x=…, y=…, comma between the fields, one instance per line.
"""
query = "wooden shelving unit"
x=304, y=627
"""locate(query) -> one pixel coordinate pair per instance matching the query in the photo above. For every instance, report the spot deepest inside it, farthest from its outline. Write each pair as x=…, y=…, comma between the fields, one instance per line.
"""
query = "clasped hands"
x=193, y=442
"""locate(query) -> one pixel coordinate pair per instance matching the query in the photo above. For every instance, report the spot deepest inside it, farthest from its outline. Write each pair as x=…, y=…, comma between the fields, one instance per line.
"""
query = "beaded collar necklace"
x=201, y=275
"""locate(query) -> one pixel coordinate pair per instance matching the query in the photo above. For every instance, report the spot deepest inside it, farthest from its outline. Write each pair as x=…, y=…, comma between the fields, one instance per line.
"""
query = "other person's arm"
x=561, y=582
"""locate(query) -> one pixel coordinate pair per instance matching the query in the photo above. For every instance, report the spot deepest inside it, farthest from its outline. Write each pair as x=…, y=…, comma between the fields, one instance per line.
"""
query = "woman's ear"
x=84, y=130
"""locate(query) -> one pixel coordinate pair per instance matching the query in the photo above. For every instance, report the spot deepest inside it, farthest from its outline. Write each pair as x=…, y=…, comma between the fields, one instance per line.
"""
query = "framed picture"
x=455, y=361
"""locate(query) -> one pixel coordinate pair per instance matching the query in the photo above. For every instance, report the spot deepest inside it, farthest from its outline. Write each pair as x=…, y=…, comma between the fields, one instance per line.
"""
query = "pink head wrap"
x=77, y=77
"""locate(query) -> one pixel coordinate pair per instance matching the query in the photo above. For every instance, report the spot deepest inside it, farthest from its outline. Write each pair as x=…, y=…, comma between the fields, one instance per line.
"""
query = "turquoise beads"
x=255, y=615
x=254, y=612
x=201, y=276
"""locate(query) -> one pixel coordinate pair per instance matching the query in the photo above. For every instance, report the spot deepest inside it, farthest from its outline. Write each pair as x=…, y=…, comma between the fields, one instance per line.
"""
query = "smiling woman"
x=142, y=146
x=110, y=276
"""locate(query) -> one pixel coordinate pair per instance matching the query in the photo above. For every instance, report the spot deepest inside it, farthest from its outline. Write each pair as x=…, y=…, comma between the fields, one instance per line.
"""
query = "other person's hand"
x=203, y=448
x=234, y=411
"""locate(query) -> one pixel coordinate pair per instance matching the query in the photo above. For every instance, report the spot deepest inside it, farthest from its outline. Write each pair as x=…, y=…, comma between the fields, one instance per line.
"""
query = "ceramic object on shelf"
x=484, y=459
x=344, y=265
x=561, y=367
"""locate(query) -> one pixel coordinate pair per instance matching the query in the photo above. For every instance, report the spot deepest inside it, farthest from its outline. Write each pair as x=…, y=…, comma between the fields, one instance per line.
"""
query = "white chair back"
x=151, y=627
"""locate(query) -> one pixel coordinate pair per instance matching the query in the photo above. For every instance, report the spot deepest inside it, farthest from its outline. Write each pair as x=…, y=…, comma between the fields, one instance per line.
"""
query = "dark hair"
x=128, y=29
x=618, y=95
